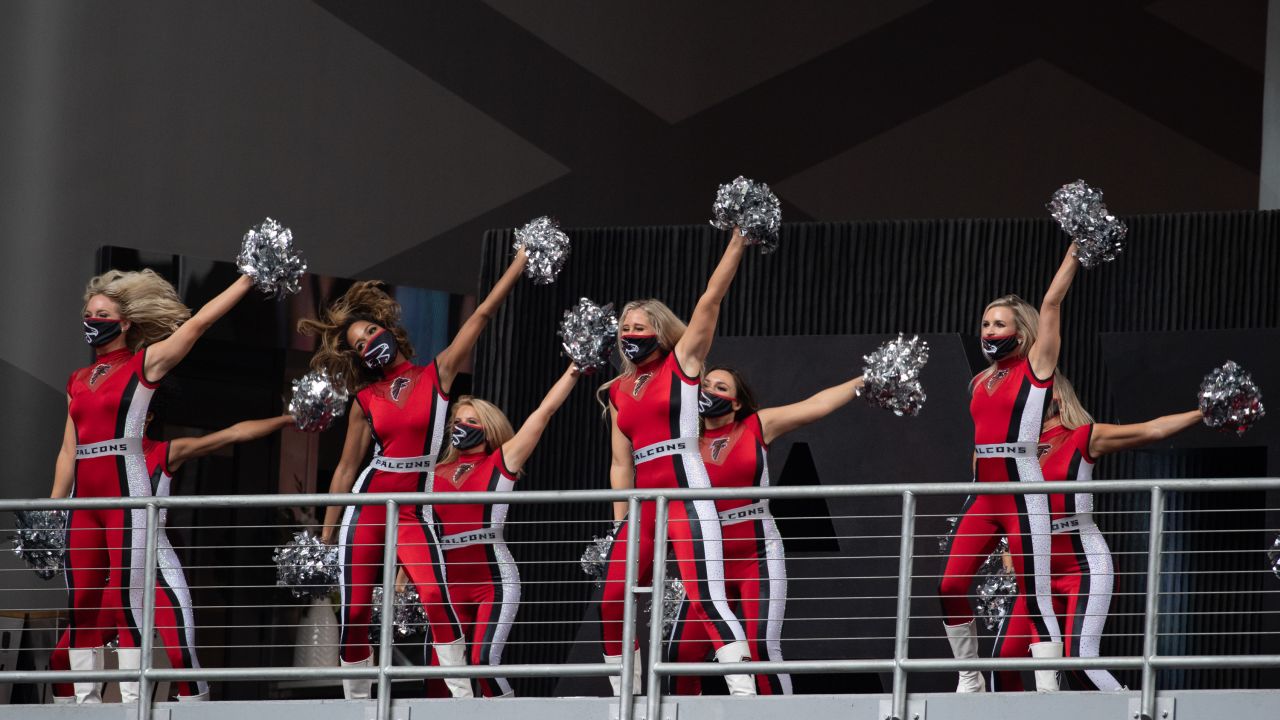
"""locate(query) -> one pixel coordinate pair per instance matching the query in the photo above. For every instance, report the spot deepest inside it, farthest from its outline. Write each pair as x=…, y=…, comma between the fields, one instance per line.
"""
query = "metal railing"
x=900, y=665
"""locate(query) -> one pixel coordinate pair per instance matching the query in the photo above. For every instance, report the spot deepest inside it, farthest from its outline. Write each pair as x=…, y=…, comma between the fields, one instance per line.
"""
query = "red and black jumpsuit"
x=1083, y=575
x=755, y=568
x=406, y=411
x=1008, y=409
x=174, y=616
x=484, y=583
x=657, y=410
x=106, y=548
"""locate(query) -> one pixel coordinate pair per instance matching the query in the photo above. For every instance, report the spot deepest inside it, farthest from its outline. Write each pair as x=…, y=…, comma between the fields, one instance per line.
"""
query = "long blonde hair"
x=145, y=299
x=497, y=428
x=1026, y=322
x=1066, y=404
x=666, y=326
x=368, y=301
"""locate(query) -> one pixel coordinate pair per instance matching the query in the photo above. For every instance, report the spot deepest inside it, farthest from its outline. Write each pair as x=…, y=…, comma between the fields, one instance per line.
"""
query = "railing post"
x=148, y=611
x=625, y=700
x=1152, y=621
x=385, y=654
x=656, y=614
x=903, y=615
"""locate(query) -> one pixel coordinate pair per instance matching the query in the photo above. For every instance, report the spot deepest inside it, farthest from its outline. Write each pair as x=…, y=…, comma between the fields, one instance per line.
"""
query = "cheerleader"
x=734, y=445
x=174, y=615
x=653, y=413
x=1009, y=401
x=139, y=330
x=485, y=454
x=1083, y=574
x=401, y=409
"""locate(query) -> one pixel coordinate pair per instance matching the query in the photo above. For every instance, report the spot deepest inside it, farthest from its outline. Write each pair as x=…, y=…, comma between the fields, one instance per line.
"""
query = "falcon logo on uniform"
x=1043, y=449
x=463, y=469
x=99, y=371
x=641, y=381
x=995, y=378
x=717, y=446
x=397, y=386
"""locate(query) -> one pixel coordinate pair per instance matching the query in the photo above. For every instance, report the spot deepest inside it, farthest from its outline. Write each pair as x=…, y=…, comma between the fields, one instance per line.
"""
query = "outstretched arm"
x=455, y=356
x=64, y=469
x=1044, y=354
x=344, y=476
x=778, y=421
x=163, y=355
x=1107, y=439
x=691, y=351
x=189, y=448
x=622, y=470
x=518, y=449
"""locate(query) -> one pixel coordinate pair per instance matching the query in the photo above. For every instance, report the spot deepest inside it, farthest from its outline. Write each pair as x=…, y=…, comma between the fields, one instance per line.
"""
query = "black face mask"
x=999, y=348
x=711, y=405
x=638, y=347
x=380, y=351
x=100, y=331
x=466, y=436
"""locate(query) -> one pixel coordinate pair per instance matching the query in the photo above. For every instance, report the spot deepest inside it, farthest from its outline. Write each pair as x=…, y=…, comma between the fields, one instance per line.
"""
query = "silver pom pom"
x=751, y=207
x=547, y=248
x=267, y=256
x=673, y=596
x=997, y=589
x=1273, y=556
x=892, y=375
x=307, y=566
x=1097, y=233
x=1229, y=399
x=41, y=540
x=409, y=617
x=588, y=333
x=944, y=541
x=317, y=401
x=595, y=559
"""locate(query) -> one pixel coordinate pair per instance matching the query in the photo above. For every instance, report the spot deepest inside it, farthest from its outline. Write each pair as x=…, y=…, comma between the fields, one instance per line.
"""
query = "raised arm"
x=518, y=449
x=622, y=470
x=691, y=351
x=344, y=476
x=64, y=469
x=163, y=355
x=454, y=357
x=1107, y=439
x=778, y=421
x=1044, y=354
x=190, y=448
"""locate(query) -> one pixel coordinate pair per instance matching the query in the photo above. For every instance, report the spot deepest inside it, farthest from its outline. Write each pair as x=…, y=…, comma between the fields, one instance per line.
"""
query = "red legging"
x=755, y=582
x=362, y=539
x=484, y=587
x=984, y=520
x=101, y=541
x=698, y=550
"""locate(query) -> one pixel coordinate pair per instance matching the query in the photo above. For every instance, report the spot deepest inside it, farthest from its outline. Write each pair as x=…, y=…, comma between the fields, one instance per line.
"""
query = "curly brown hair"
x=369, y=301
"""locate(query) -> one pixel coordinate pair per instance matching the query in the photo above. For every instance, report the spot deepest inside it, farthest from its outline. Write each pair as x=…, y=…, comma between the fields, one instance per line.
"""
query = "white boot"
x=359, y=689
x=69, y=700
x=737, y=651
x=128, y=659
x=964, y=645
x=616, y=680
x=1046, y=680
x=87, y=692
x=454, y=654
x=202, y=697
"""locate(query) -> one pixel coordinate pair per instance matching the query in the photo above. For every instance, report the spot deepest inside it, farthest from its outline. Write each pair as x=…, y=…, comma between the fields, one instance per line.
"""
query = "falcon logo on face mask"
x=717, y=446
x=380, y=350
x=98, y=372
x=397, y=386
